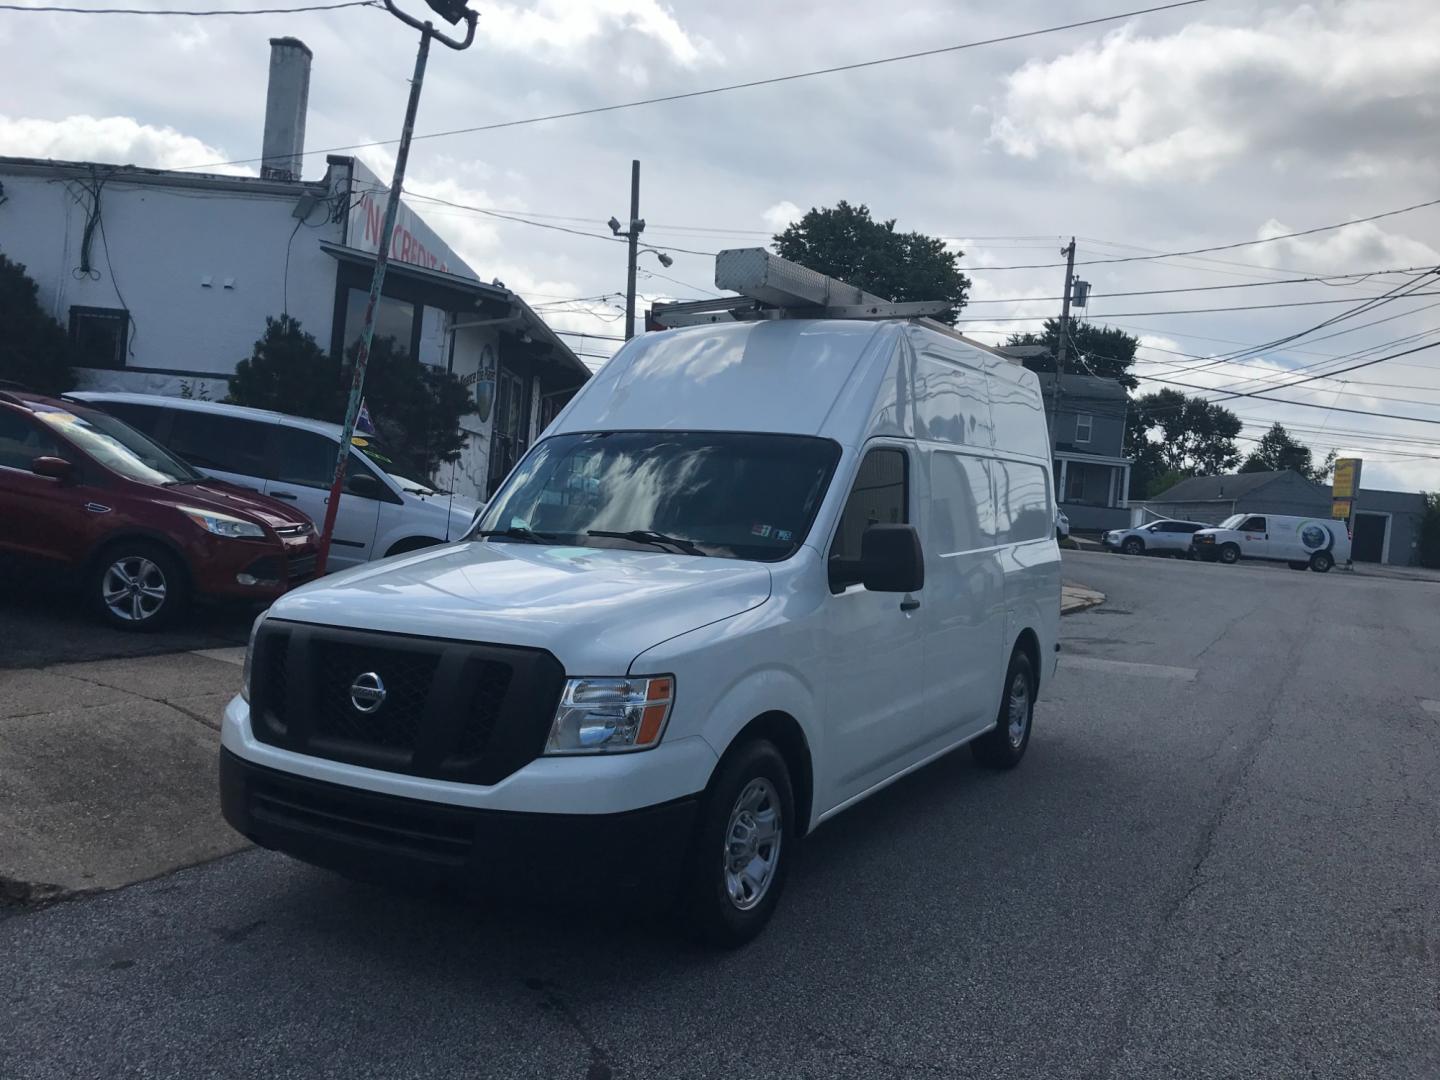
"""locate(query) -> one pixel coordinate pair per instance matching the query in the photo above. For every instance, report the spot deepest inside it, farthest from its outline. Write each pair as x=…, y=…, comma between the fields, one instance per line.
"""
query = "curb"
x=1076, y=598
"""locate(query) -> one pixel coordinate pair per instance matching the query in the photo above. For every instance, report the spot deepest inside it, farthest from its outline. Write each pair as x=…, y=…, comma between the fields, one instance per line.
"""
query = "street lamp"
x=665, y=260
x=452, y=11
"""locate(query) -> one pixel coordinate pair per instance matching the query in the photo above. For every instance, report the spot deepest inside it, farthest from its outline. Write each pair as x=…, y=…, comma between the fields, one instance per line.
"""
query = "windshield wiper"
x=515, y=532
x=648, y=536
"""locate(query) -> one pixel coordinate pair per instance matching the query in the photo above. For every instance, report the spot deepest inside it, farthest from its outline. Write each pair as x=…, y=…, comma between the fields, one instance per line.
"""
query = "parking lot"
x=1217, y=860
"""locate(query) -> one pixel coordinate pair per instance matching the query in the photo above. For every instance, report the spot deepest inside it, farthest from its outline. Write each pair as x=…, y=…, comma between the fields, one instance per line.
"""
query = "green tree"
x=1196, y=438
x=1430, y=531
x=1093, y=350
x=34, y=351
x=289, y=372
x=845, y=242
x=416, y=409
x=1279, y=450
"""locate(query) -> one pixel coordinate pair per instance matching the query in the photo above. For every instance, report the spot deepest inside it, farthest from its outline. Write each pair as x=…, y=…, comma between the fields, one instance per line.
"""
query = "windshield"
x=393, y=465
x=726, y=494
x=1232, y=521
x=118, y=446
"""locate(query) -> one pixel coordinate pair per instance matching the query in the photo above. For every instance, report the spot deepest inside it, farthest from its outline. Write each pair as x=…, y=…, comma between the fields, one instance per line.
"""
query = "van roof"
x=216, y=408
x=793, y=376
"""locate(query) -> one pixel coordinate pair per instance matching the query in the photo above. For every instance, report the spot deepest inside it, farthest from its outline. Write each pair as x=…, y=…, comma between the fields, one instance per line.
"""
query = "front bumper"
x=366, y=834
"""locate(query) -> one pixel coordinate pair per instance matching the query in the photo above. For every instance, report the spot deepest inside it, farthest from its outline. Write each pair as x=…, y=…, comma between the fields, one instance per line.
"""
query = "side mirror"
x=363, y=484
x=53, y=467
x=891, y=559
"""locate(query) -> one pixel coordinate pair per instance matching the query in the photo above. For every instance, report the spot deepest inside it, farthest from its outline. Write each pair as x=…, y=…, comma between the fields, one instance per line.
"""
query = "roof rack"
x=774, y=288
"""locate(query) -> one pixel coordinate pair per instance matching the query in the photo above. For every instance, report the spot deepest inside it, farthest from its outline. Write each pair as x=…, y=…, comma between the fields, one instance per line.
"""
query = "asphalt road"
x=43, y=624
x=1217, y=860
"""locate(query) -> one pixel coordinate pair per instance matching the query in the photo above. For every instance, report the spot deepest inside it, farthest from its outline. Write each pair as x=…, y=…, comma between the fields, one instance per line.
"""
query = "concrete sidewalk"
x=107, y=771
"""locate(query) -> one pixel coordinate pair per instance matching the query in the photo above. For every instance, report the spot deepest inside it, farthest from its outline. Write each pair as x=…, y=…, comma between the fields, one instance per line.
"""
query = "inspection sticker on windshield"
x=760, y=530
x=784, y=534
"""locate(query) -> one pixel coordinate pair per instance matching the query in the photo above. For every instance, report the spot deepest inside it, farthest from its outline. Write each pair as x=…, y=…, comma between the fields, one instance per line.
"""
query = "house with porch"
x=1087, y=431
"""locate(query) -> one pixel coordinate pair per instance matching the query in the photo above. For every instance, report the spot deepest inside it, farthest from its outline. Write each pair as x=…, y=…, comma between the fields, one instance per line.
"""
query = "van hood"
x=595, y=609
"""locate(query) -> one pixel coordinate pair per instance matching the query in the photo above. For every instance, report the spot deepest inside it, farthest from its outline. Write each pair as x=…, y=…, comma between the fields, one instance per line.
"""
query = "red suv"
x=140, y=530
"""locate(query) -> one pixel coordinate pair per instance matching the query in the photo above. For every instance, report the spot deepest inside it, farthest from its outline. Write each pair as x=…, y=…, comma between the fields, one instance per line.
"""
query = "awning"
x=451, y=292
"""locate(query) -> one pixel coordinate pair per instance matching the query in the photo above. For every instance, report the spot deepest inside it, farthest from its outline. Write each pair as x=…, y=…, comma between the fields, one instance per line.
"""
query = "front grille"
x=293, y=530
x=302, y=566
x=451, y=710
x=395, y=723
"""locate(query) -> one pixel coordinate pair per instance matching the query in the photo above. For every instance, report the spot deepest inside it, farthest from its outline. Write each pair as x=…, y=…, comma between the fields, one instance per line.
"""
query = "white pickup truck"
x=1317, y=543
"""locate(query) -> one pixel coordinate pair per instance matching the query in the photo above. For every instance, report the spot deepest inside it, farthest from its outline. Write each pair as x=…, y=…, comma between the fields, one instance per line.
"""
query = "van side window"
x=1022, y=502
x=308, y=459
x=143, y=418
x=964, y=512
x=1253, y=524
x=210, y=441
x=881, y=496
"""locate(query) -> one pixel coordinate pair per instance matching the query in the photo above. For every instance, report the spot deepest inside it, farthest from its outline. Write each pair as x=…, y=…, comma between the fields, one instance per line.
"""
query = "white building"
x=165, y=278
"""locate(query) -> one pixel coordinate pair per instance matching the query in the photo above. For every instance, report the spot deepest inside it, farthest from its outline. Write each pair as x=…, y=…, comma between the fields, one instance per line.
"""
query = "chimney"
x=285, y=104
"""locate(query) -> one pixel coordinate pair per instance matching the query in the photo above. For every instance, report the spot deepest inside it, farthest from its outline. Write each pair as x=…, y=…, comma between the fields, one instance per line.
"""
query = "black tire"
x=705, y=906
x=998, y=748
x=150, y=567
x=1321, y=562
x=1298, y=565
x=1133, y=545
x=411, y=543
x=1229, y=554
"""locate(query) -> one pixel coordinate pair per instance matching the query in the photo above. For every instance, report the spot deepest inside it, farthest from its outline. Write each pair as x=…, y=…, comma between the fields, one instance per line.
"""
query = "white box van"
x=383, y=511
x=753, y=573
x=1318, y=543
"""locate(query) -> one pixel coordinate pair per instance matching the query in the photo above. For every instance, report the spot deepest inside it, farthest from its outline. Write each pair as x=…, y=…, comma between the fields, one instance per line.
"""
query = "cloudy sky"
x=1212, y=124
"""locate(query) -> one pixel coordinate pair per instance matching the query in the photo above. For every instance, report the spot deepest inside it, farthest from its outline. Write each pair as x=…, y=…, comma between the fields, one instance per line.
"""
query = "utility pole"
x=632, y=233
x=1060, y=350
x=453, y=11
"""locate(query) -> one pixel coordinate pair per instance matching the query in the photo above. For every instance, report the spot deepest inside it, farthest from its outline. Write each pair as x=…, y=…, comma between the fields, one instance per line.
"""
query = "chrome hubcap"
x=752, y=844
x=1018, y=710
x=133, y=588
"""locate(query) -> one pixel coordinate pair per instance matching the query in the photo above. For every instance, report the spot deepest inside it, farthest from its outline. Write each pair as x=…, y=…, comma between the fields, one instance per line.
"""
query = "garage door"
x=1368, y=543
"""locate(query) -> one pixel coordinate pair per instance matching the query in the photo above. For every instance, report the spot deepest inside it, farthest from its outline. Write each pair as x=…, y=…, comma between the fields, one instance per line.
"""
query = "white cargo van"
x=1318, y=543
x=754, y=572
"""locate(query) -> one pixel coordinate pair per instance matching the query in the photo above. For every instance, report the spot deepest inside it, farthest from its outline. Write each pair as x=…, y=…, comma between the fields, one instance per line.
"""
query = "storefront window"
x=393, y=319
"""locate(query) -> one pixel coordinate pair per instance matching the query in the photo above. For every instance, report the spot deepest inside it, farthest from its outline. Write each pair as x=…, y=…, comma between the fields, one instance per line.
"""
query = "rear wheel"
x=1229, y=553
x=1321, y=562
x=1133, y=546
x=138, y=586
x=1004, y=745
x=742, y=848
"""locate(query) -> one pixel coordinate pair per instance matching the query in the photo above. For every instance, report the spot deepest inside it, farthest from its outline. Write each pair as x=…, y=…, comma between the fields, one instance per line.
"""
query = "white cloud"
x=781, y=216
x=1183, y=105
x=1362, y=246
x=117, y=139
x=566, y=27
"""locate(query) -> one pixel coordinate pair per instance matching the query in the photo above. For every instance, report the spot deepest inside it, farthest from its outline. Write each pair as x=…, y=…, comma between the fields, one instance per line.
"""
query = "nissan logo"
x=367, y=692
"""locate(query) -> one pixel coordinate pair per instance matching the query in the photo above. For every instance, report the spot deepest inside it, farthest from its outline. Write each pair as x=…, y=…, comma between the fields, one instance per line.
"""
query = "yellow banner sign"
x=1340, y=509
x=1347, y=473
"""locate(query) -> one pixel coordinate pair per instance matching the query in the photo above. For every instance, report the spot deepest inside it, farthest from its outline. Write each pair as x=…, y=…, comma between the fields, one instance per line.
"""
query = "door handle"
x=284, y=495
x=909, y=604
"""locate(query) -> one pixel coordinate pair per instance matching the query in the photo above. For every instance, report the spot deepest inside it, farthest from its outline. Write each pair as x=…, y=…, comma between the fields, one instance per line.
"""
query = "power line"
x=1195, y=311
x=1218, y=247
x=1327, y=279
x=192, y=14
x=770, y=81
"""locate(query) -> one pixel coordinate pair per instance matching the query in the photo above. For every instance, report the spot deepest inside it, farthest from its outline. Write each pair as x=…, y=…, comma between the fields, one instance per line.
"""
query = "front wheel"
x=742, y=848
x=138, y=586
x=1004, y=745
x=1229, y=554
x=1321, y=562
x=1133, y=546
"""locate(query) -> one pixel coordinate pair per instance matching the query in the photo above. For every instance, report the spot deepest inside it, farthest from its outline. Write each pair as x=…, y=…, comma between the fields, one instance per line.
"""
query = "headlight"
x=223, y=524
x=601, y=716
x=249, y=657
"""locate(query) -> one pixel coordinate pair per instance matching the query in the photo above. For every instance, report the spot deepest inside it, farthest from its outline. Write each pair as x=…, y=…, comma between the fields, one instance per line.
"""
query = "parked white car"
x=1317, y=543
x=1166, y=537
x=706, y=613
x=383, y=511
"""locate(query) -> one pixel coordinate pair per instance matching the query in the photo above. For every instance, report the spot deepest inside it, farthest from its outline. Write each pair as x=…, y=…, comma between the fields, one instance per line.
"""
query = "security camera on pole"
x=453, y=12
